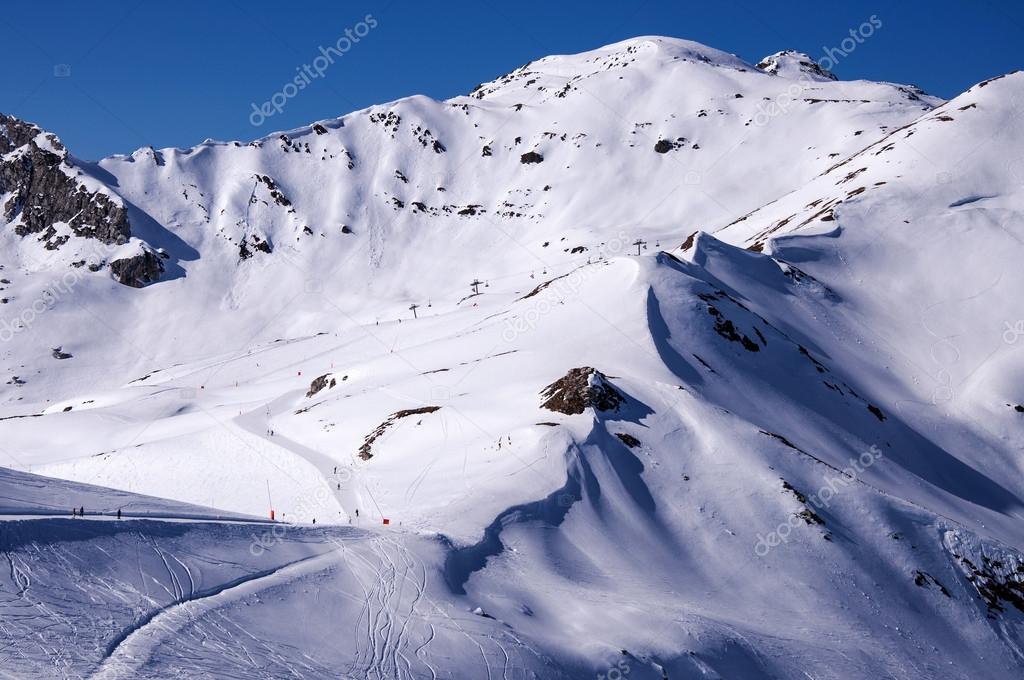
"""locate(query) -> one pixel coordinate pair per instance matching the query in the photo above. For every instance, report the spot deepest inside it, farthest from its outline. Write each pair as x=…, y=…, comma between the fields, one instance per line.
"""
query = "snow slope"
x=146, y=599
x=27, y=495
x=737, y=393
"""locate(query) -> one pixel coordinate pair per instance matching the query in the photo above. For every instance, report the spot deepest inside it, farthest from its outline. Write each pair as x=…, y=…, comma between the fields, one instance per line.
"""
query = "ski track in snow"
x=257, y=422
x=393, y=632
x=130, y=650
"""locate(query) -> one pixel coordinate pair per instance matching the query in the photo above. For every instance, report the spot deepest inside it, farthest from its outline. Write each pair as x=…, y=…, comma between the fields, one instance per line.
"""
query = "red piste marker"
x=387, y=521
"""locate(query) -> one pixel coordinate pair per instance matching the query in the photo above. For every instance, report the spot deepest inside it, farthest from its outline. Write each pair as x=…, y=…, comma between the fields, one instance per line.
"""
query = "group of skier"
x=80, y=512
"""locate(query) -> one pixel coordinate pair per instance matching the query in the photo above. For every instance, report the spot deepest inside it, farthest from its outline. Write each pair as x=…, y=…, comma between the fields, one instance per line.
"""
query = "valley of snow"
x=656, y=363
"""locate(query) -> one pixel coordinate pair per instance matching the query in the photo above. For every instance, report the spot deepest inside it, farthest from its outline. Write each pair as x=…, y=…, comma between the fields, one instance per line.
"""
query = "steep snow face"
x=923, y=229
x=527, y=178
x=646, y=329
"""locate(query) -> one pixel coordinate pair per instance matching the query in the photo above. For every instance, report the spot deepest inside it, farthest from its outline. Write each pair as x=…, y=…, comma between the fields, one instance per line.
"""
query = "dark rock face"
x=275, y=191
x=666, y=145
x=725, y=327
x=246, y=247
x=318, y=384
x=44, y=193
x=805, y=62
x=923, y=579
x=628, y=439
x=138, y=270
x=998, y=582
x=366, y=450
x=580, y=389
x=531, y=157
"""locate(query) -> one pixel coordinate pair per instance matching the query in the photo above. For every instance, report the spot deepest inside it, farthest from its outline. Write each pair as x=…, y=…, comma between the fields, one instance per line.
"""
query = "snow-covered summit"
x=641, y=58
x=794, y=65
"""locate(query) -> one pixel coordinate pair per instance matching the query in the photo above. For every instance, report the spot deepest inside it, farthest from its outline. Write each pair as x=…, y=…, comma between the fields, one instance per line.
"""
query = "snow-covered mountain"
x=656, y=362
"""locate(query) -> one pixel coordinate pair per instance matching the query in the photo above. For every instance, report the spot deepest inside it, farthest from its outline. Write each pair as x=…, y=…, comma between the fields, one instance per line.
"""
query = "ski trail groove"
x=132, y=648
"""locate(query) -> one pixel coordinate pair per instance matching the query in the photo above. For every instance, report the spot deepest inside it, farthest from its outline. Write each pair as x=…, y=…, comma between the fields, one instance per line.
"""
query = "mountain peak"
x=795, y=65
x=641, y=53
x=16, y=133
x=46, y=197
x=668, y=49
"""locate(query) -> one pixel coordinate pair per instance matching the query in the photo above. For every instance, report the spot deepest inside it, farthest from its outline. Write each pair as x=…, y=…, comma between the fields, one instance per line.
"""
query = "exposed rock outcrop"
x=580, y=389
x=254, y=243
x=666, y=145
x=138, y=270
x=37, y=172
x=326, y=381
x=365, y=451
x=628, y=439
x=792, y=64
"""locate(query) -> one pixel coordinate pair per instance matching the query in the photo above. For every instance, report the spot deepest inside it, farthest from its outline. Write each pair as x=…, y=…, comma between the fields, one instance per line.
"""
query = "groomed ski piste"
x=714, y=371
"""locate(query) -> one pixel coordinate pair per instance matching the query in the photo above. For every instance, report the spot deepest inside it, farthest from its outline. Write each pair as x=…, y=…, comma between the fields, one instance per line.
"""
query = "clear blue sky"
x=109, y=77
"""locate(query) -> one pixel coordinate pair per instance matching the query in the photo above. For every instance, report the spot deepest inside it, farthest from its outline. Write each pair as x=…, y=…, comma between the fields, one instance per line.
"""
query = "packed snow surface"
x=641, y=362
